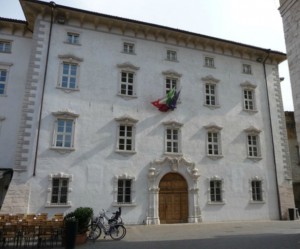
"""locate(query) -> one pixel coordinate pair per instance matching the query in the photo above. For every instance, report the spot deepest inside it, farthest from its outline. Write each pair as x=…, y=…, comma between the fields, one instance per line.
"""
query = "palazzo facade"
x=173, y=126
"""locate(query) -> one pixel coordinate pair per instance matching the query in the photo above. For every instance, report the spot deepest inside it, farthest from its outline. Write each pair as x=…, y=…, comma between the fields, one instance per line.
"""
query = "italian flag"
x=168, y=102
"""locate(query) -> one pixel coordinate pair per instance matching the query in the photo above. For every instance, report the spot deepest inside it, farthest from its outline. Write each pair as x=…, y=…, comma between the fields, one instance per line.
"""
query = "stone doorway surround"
x=158, y=168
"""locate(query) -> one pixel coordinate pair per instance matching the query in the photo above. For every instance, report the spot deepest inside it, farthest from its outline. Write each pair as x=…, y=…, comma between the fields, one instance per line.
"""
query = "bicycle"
x=114, y=226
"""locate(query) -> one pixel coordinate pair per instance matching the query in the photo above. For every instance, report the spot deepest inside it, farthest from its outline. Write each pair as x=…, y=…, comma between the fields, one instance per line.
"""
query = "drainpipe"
x=272, y=133
x=52, y=5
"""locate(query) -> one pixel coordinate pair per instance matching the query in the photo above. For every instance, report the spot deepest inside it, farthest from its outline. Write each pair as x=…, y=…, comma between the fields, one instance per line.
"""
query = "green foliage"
x=83, y=215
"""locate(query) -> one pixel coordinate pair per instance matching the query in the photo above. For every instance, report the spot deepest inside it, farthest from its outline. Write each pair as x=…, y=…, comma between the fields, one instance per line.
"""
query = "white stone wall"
x=94, y=165
x=18, y=61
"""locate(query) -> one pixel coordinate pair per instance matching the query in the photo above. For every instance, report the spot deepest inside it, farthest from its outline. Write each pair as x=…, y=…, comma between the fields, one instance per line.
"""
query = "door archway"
x=173, y=199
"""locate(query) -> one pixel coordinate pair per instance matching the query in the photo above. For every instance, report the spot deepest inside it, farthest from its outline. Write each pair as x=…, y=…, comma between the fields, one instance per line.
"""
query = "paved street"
x=254, y=235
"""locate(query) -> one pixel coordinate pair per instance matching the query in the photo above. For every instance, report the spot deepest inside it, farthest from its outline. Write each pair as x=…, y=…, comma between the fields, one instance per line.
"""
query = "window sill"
x=213, y=67
x=255, y=159
x=3, y=95
x=123, y=52
x=257, y=202
x=212, y=106
x=216, y=203
x=62, y=150
x=117, y=204
x=125, y=152
x=127, y=97
x=250, y=111
x=173, y=154
x=68, y=90
x=171, y=60
x=76, y=44
x=215, y=157
x=48, y=205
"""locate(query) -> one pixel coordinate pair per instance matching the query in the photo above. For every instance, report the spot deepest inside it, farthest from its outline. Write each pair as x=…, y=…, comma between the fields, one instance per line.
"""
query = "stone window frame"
x=71, y=60
x=253, y=132
x=262, y=190
x=171, y=79
x=209, y=61
x=116, y=179
x=73, y=38
x=5, y=67
x=213, y=128
x=222, y=191
x=126, y=121
x=127, y=67
x=171, y=55
x=211, y=81
x=247, y=68
x=60, y=175
x=5, y=46
x=247, y=86
x=129, y=47
x=64, y=115
x=173, y=125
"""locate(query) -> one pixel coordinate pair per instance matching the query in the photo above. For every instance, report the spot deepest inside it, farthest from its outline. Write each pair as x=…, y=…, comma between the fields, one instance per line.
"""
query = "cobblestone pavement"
x=142, y=233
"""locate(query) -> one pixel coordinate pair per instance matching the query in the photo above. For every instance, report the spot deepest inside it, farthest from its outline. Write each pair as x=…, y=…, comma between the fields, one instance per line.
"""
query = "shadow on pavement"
x=260, y=241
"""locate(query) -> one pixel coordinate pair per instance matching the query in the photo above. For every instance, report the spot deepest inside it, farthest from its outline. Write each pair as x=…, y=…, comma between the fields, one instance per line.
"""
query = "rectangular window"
x=256, y=187
x=64, y=133
x=128, y=48
x=59, y=193
x=125, y=138
x=248, y=100
x=5, y=47
x=247, y=69
x=171, y=83
x=253, y=146
x=210, y=94
x=69, y=75
x=171, y=55
x=127, y=81
x=3, y=81
x=73, y=38
x=213, y=143
x=209, y=62
x=172, y=140
x=124, y=191
x=216, y=191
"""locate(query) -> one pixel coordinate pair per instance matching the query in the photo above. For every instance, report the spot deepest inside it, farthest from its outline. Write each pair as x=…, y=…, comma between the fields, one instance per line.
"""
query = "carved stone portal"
x=157, y=169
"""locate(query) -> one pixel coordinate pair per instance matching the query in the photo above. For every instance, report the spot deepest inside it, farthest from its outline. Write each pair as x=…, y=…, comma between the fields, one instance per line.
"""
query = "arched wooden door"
x=173, y=199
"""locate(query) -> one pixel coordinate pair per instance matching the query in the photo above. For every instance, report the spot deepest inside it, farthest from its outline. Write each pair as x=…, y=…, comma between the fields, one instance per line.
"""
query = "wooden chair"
x=58, y=216
x=58, y=230
x=29, y=234
x=9, y=235
x=45, y=235
x=42, y=216
x=30, y=217
x=4, y=217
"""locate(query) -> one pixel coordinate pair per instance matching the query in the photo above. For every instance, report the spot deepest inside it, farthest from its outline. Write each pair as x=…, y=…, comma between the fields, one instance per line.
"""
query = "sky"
x=256, y=22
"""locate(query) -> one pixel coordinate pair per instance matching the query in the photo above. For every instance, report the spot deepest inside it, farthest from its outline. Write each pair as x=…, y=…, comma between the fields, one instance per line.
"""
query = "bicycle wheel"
x=117, y=232
x=93, y=232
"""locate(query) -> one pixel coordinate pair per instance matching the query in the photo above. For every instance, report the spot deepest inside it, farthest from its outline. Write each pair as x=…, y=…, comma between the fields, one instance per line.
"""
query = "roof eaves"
x=159, y=27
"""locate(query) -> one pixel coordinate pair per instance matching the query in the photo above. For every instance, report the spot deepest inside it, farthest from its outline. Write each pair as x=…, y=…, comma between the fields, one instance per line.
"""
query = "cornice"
x=141, y=30
x=13, y=27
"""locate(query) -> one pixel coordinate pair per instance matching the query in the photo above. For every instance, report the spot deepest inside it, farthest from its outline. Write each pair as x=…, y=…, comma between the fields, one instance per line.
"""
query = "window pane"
x=59, y=190
x=73, y=69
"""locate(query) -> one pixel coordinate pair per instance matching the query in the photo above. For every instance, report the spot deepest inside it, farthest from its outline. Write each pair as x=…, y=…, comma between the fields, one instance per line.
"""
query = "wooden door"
x=173, y=199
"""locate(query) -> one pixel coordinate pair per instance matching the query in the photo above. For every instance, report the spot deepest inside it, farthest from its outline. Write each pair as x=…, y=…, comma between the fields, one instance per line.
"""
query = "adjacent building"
x=289, y=10
x=173, y=126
